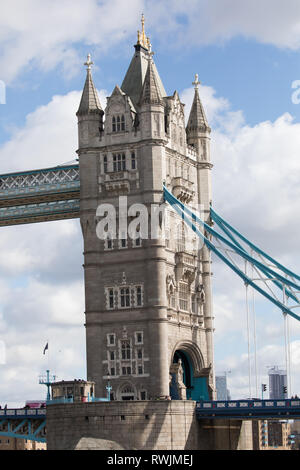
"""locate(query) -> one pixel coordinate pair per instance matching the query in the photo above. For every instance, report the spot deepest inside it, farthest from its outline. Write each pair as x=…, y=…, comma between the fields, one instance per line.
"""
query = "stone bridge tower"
x=148, y=298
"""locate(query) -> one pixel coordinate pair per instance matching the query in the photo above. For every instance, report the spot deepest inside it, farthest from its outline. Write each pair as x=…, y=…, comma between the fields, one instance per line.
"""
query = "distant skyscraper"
x=221, y=387
x=277, y=383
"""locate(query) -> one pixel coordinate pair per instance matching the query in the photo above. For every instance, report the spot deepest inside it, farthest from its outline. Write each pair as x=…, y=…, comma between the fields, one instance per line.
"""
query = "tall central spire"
x=135, y=76
x=142, y=39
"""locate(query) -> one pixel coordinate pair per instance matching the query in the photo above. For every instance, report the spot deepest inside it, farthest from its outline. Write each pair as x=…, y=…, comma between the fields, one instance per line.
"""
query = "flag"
x=45, y=348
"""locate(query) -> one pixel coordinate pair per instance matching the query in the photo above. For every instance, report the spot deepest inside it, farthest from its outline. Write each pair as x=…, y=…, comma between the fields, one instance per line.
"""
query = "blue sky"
x=247, y=58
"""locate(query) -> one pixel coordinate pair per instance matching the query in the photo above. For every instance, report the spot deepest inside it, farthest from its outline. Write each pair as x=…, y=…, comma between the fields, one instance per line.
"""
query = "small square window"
x=139, y=337
x=111, y=339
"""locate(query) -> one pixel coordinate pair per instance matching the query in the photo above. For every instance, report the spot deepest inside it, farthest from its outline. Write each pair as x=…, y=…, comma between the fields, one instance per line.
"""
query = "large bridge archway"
x=190, y=360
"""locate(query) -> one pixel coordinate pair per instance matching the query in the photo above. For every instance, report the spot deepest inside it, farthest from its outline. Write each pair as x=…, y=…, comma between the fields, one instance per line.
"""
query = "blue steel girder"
x=23, y=424
x=40, y=195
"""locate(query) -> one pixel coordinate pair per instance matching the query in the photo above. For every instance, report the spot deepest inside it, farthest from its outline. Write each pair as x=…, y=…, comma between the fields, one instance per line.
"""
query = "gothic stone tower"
x=148, y=300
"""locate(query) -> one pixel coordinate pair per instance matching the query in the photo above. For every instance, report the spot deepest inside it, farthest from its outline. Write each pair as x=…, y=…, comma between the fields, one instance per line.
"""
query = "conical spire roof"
x=197, y=119
x=151, y=92
x=90, y=102
x=134, y=79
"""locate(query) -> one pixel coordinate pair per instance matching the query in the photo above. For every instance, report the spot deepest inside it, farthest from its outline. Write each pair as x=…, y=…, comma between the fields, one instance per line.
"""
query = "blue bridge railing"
x=289, y=408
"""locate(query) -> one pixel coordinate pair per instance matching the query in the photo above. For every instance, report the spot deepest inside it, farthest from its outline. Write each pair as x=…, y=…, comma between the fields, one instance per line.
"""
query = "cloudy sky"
x=247, y=57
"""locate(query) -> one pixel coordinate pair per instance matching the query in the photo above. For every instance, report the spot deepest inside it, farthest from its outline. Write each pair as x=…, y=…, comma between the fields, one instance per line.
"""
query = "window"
x=139, y=296
x=108, y=243
x=111, y=339
x=125, y=297
x=123, y=240
x=112, y=371
x=118, y=123
x=138, y=337
x=180, y=238
x=133, y=161
x=137, y=241
x=119, y=162
x=111, y=298
x=126, y=370
x=140, y=370
x=172, y=300
x=194, y=304
x=112, y=355
x=125, y=350
x=183, y=296
x=140, y=354
x=105, y=164
x=143, y=396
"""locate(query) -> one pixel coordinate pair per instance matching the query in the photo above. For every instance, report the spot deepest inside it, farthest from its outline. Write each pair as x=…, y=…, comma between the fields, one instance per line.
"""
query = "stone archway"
x=188, y=377
x=126, y=392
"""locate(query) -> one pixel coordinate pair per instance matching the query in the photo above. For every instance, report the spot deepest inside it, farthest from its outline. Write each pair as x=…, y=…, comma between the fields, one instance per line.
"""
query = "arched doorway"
x=190, y=363
x=127, y=392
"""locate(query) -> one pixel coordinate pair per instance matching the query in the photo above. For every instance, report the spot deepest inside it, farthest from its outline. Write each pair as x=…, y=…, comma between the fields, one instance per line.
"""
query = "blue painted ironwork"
x=248, y=409
x=221, y=222
x=47, y=381
x=191, y=219
x=40, y=195
x=23, y=424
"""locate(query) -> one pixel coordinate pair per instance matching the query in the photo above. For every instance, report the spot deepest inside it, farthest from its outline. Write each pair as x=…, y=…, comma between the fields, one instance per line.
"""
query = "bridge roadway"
x=31, y=423
x=249, y=409
x=40, y=195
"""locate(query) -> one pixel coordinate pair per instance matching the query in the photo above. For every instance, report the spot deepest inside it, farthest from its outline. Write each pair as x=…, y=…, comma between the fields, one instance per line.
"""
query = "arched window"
x=114, y=124
x=122, y=122
x=118, y=124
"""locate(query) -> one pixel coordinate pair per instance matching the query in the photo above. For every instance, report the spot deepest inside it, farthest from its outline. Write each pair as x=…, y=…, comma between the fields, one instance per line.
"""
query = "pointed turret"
x=198, y=130
x=133, y=82
x=151, y=92
x=90, y=102
x=197, y=120
x=90, y=114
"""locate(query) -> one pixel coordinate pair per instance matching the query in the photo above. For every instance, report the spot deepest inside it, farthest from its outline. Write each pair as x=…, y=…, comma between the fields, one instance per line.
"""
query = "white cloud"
x=199, y=22
x=43, y=35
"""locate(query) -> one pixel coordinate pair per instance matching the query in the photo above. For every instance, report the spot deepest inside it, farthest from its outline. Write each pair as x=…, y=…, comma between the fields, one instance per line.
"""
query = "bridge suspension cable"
x=268, y=277
x=232, y=250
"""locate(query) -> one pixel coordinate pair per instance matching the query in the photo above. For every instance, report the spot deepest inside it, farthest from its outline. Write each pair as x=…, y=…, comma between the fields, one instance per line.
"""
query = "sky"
x=247, y=55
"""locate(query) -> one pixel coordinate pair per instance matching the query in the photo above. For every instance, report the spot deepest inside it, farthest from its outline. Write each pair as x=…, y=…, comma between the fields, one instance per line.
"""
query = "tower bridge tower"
x=147, y=298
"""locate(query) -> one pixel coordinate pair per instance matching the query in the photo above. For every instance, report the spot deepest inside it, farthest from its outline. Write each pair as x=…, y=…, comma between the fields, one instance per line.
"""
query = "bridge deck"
x=249, y=409
x=40, y=195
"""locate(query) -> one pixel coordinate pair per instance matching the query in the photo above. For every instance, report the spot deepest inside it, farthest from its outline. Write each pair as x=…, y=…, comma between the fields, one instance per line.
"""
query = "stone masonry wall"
x=140, y=425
